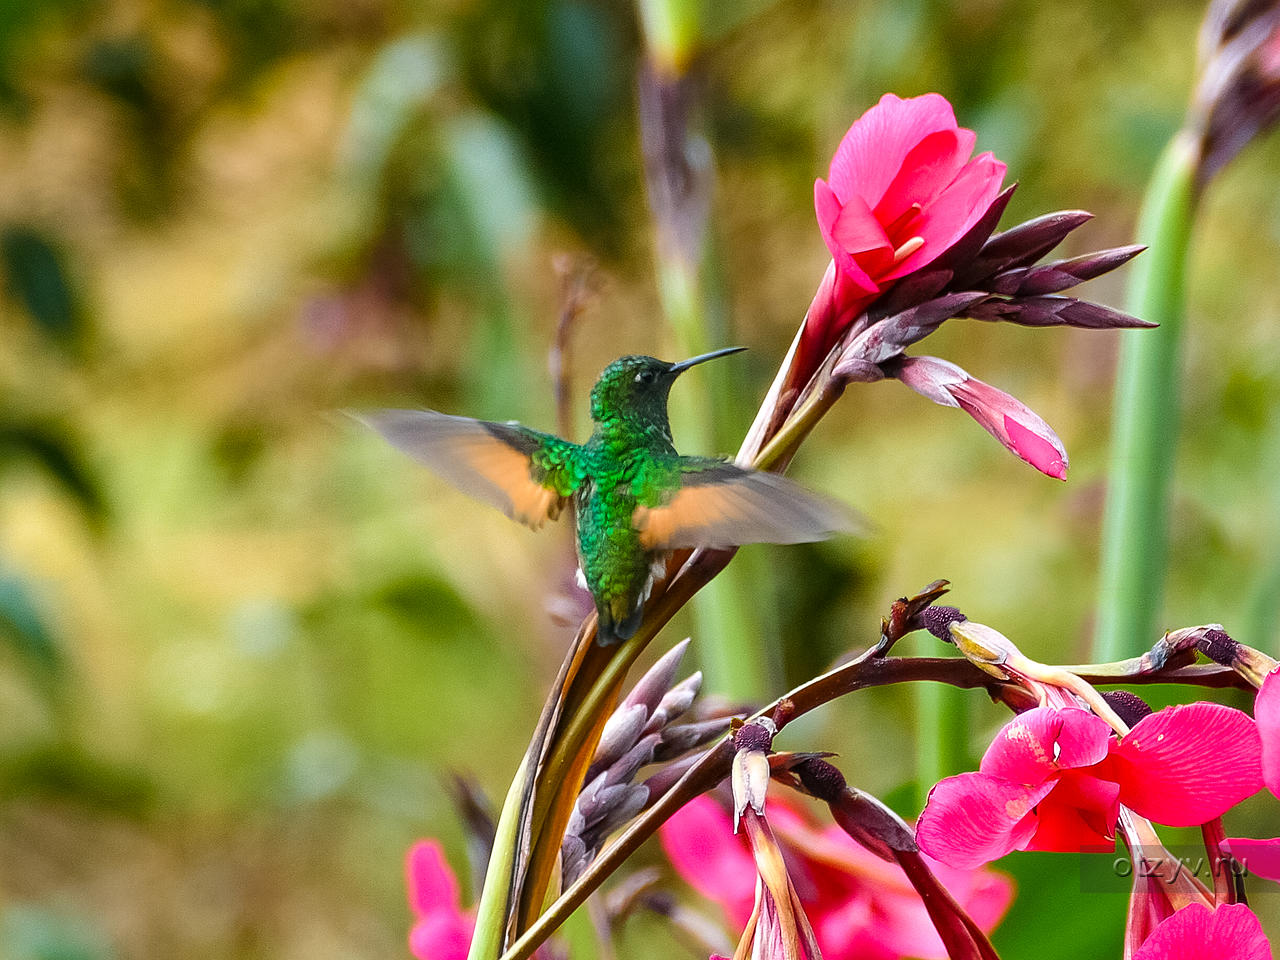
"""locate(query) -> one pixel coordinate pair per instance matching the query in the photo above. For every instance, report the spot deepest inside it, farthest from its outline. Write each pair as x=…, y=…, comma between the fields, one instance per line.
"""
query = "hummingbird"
x=635, y=498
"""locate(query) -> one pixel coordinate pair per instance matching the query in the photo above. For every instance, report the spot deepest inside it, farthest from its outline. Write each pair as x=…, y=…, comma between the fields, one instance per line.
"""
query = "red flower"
x=860, y=906
x=441, y=930
x=1266, y=711
x=1054, y=778
x=1262, y=857
x=1231, y=932
x=902, y=190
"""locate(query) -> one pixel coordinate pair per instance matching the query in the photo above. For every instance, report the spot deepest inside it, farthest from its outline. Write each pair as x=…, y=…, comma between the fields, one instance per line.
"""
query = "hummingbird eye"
x=644, y=376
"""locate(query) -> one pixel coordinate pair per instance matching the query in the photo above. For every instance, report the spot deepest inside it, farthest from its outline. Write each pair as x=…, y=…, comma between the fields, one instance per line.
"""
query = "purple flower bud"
x=1218, y=646
x=652, y=687
x=756, y=735
x=1022, y=245
x=681, y=739
x=1238, y=95
x=1052, y=311
x=1129, y=707
x=889, y=337
x=621, y=731
x=822, y=779
x=937, y=620
x=675, y=702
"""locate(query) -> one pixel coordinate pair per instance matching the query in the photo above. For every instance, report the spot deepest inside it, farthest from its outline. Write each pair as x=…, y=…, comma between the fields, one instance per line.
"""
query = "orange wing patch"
x=508, y=470
x=727, y=506
x=492, y=462
x=691, y=508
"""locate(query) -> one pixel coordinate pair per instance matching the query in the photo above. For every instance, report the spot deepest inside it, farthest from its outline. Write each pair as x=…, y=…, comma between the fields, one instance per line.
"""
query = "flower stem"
x=492, y=910
x=1145, y=420
x=672, y=30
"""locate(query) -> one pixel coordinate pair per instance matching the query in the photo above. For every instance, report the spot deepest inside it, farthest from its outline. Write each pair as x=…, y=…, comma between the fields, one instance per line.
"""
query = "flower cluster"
x=640, y=732
x=1054, y=779
x=909, y=218
x=1082, y=768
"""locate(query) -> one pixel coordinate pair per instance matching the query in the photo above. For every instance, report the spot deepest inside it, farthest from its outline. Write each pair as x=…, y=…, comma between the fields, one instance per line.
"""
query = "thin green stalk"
x=1145, y=421
x=673, y=30
x=491, y=912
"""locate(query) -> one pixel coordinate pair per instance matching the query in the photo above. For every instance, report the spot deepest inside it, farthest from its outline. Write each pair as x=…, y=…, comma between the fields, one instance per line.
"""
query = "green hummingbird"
x=634, y=496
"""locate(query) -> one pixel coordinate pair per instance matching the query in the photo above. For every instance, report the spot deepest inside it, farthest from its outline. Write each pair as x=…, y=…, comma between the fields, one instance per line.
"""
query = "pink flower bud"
x=1006, y=418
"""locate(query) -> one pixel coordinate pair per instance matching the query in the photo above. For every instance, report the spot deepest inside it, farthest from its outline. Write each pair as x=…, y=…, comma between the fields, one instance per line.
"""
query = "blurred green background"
x=244, y=643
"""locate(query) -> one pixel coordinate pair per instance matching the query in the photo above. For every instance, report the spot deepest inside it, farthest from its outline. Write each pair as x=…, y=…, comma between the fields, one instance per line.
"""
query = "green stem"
x=672, y=30
x=1145, y=421
x=491, y=912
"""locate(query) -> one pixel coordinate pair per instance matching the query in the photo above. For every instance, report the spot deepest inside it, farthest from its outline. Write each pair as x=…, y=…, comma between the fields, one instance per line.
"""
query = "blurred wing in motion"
x=527, y=475
x=718, y=504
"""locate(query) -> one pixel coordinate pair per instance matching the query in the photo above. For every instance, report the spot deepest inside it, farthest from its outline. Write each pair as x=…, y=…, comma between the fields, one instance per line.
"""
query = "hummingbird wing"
x=527, y=475
x=718, y=504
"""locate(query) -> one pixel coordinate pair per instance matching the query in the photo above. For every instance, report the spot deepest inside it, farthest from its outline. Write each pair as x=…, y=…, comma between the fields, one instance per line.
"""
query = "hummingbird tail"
x=611, y=631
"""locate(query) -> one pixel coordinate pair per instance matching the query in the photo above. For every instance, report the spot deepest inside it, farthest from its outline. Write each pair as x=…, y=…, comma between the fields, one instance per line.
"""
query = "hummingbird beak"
x=683, y=365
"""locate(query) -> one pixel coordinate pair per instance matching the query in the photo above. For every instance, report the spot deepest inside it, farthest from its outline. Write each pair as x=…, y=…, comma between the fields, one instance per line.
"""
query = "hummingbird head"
x=635, y=388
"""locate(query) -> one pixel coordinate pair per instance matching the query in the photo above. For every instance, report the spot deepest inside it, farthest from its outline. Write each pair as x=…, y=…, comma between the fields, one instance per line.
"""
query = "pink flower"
x=1004, y=417
x=1054, y=778
x=441, y=931
x=902, y=190
x=860, y=906
x=1266, y=711
x=1262, y=857
x=1231, y=932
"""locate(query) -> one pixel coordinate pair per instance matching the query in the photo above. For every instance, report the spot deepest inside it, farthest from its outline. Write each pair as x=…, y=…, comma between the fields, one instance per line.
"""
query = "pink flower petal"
x=1042, y=742
x=700, y=843
x=902, y=924
x=984, y=894
x=829, y=213
x=953, y=212
x=857, y=231
x=1184, y=765
x=1266, y=711
x=841, y=930
x=1231, y=932
x=927, y=170
x=431, y=885
x=973, y=818
x=872, y=152
x=1045, y=455
x=1258, y=858
x=1014, y=424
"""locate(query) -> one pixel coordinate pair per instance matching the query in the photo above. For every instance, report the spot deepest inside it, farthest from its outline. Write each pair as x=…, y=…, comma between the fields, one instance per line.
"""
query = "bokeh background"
x=243, y=645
